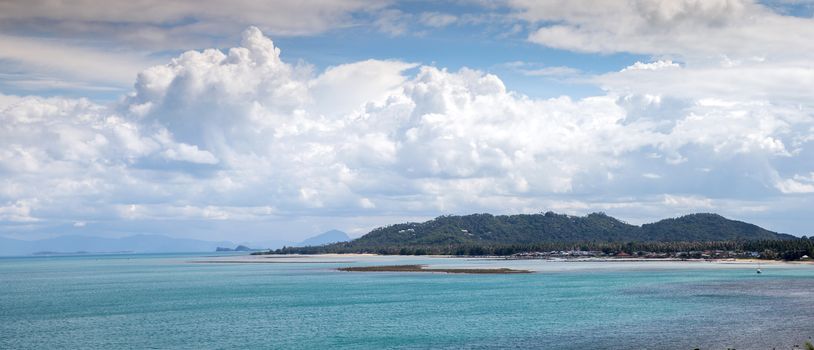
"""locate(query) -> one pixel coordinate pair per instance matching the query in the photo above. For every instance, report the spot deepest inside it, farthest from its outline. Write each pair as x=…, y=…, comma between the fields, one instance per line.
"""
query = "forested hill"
x=706, y=227
x=525, y=229
x=551, y=227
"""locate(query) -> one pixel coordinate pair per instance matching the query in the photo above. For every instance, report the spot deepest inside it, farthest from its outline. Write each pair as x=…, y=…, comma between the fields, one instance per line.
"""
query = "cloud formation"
x=243, y=136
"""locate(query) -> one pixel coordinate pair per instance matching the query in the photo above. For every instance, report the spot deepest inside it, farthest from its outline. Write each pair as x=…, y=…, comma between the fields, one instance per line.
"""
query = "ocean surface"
x=177, y=302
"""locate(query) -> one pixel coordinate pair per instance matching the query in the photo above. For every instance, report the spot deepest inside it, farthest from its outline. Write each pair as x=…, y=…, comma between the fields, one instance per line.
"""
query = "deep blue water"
x=166, y=302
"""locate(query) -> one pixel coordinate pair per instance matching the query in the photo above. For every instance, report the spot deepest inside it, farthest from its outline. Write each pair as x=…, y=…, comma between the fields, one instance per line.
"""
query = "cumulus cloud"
x=356, y=129
x=346, y=87
x=242, y=136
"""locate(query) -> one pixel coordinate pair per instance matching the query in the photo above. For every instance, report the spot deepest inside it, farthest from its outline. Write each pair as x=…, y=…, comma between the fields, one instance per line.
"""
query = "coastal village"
x=689, y=255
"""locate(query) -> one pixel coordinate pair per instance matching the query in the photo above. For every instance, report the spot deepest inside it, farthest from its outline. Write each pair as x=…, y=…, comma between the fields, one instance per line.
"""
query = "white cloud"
x=7, y=100
x=731, y=131
x=437, y=19
x=689, y=202
x=657, y=65
x=189, y=153
x=797, y=184
x=64, y=159
x=75, y=62
x=545, y=71
x=783, y=82
x=344, y=88
x=686, y=28
x=18, y=211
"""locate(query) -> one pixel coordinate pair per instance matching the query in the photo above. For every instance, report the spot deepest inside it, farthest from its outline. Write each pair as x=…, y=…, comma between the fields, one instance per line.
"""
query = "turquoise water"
x=166, y=302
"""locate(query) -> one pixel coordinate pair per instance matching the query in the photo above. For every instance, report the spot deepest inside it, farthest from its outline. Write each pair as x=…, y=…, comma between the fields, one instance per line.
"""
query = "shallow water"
x=164, y=301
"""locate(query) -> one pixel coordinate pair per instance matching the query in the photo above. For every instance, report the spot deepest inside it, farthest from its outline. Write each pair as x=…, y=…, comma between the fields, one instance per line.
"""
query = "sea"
x=208, y=301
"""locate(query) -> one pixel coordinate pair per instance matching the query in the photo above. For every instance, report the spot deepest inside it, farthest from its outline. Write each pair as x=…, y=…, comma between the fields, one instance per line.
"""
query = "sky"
x=276, y=120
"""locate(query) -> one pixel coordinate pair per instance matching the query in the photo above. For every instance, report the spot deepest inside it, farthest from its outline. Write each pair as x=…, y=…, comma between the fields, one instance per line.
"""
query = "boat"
x=758, y=269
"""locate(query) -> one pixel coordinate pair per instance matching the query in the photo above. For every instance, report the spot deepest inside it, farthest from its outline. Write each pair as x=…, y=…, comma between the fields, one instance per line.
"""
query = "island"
x=551, y=235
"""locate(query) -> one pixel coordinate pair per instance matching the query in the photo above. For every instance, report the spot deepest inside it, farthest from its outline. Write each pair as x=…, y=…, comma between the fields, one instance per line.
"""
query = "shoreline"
x=508, y=261
x=512, y=258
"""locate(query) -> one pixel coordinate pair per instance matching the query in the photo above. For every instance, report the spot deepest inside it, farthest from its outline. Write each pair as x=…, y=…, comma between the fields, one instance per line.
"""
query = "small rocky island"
x=422, y=268
x=240, y=248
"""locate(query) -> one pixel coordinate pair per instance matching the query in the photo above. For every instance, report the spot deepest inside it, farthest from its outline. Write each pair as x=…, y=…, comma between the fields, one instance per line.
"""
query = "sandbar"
x=423, y=268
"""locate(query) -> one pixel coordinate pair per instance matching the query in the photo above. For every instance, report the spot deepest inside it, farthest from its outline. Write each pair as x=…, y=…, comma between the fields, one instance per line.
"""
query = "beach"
x=554, y=264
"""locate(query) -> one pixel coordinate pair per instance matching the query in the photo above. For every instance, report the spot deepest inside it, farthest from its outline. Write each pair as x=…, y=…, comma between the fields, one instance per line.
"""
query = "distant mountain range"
x=327, y=237
x=487, y=229
x=72, y=244
x=332, y=236
x=89, y=244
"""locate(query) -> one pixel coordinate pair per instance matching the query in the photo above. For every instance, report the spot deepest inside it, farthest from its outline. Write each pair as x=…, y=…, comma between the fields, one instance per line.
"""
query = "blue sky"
x=277, y=120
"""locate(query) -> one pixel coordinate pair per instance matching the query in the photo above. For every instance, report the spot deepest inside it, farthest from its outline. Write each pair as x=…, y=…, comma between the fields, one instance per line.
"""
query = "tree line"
x=792, y=249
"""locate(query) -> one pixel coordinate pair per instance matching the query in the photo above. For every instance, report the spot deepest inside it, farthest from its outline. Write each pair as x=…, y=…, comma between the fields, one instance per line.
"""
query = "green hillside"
x=551, y=227
x=483, y=234
x=707, y=227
